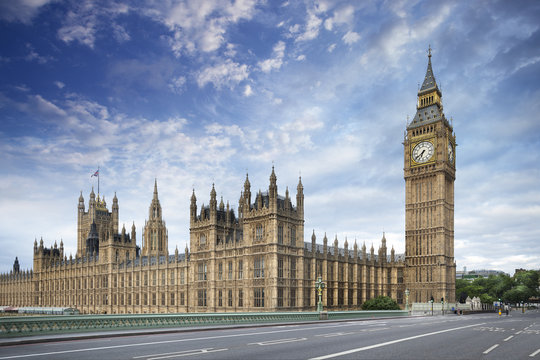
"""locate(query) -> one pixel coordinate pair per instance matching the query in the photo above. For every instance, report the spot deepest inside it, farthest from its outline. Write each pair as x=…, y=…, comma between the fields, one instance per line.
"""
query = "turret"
x=313, y=244
x=213, y=201
x=247, y=194
x=133, y=234
x=193, y=207
x=355, y=251
x=325, y=245
x=115, y=214
x=300, y=198
x=346, y=248
x=336, y=249
x=272, y=191
x=16, y=267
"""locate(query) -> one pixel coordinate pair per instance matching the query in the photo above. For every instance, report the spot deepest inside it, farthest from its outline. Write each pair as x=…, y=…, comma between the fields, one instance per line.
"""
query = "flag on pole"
x=96, y=173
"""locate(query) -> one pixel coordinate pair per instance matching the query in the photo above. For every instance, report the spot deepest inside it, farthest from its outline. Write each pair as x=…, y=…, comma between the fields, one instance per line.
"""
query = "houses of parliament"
x=256, y=259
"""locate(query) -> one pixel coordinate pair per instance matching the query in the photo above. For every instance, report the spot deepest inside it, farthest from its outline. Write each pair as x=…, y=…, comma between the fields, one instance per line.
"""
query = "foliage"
x=380, y=303
x=522, y=286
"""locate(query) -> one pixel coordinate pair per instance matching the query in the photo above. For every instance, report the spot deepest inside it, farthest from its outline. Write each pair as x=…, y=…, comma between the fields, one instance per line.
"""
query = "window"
x=201, y=298
x=172, y=298
x=145, y=279
x=162, y=277
x=292, y=297
x=240, y=298
x=182, y=277
x=182, y=298
x=163, y=299
x=293, y=268
x=258, y=297
x=129, y=299
x=202, y=271
x=220, y=271
x=137, y=280
x=137, y=299
x=280, y=267
x=230, y=271
x=172, y=277
x=220, y=298
x=280, y=234
x=280, y=297
x=293, y=236
x=154, y=300
x=230, y=299
x=258, y=266
x=240, y=269
x=154, y=278
x=259, y=233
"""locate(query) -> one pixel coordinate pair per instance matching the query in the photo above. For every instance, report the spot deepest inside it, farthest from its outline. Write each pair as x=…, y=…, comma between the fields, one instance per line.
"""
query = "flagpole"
x=98, y=181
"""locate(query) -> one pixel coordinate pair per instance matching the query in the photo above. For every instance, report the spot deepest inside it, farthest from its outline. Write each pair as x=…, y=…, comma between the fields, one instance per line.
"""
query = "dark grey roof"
x=429, y=81
x=427, y=115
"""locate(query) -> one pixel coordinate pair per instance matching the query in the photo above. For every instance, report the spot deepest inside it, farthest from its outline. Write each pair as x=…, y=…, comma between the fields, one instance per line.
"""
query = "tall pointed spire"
x=155, y=189
x=429, y=80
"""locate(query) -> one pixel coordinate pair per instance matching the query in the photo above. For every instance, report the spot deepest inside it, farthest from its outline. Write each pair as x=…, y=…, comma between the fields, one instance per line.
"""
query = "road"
x=480, y=336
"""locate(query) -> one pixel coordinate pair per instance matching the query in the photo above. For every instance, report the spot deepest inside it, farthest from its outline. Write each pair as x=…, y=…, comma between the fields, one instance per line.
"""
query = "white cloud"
x=120, y=33
x=344, y=15
x=227, y=73
x=177, y=84
x=201, y=26
x=351, y=37
x=59, y=84
x=21, y=10
x=301, y=57
x=248, y=91
x=276, y=61
x=331, y=47
x=311, y=29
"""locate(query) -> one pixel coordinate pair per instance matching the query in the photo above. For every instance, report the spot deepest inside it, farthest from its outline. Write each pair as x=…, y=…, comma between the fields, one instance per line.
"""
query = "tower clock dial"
x=422, y=152
x=450, y=153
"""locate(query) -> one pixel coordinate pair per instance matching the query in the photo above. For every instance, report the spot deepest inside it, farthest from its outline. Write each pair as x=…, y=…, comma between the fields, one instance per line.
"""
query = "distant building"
x=473, y=274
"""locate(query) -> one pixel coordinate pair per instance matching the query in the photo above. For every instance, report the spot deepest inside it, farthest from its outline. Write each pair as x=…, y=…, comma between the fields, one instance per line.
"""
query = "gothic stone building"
x=255, y=260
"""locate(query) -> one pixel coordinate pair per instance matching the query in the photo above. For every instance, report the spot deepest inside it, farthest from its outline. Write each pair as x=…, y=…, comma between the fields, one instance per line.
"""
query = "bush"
x=381, y=303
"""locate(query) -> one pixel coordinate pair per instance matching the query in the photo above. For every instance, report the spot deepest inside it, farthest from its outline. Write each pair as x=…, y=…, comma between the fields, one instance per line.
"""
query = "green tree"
x=380, y=303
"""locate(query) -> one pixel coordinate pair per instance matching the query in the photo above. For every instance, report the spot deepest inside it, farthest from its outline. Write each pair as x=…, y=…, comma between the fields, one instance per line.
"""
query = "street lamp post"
x=442, y=305
x=320, y=286
x=431, y=301
x=407, y=292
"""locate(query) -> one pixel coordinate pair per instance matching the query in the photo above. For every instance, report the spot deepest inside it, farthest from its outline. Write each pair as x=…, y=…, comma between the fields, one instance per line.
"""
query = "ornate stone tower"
x=429, y=171
x=155, y=237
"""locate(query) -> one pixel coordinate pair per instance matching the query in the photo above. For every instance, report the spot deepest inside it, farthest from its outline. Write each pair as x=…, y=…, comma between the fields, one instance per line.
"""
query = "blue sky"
x=199, y=92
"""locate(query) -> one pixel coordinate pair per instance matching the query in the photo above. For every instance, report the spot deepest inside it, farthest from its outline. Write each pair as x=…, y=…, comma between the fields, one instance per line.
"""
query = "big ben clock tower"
x=430, y=172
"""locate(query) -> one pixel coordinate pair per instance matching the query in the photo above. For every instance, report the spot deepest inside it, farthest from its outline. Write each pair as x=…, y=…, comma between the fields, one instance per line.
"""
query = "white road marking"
x=519, y=332
x=336, y=334
x=278, y=341
x=170, y=353
x=390, y=343
x=508, y=338
x=203, y=351
x=535, y=353
x=491, y=348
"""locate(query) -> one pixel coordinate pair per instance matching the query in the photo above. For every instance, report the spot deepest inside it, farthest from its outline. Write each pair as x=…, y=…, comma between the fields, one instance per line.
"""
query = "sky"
x=195, y=93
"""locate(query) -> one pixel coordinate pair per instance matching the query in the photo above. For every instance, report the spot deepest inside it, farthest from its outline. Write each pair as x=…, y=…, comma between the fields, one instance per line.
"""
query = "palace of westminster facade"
x=256, y=260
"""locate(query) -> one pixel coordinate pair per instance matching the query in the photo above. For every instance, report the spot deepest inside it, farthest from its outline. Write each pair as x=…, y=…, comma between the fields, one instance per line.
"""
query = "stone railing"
x=23, y=326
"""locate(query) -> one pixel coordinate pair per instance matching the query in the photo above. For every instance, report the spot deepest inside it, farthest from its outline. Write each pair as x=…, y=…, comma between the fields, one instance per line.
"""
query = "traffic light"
x=432, y=298
x=442, y=299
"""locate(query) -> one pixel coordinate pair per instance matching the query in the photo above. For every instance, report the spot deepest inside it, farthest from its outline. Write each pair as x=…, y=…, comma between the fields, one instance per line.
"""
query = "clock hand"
x=422, y=153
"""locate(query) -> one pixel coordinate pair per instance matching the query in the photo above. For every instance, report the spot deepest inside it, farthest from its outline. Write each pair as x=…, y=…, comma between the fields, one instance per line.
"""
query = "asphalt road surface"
x=481, y=336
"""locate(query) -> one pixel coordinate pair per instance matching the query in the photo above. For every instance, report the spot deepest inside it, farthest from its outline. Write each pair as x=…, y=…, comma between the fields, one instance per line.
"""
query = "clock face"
x=422, y=152
x=450, y=153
